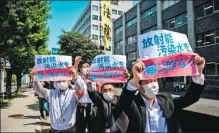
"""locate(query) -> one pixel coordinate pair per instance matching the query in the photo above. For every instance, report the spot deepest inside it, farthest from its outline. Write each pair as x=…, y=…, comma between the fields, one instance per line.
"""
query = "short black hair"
x=107, y=84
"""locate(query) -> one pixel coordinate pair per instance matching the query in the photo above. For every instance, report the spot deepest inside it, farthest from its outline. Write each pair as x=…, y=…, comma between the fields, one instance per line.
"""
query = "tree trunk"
x=18, y=75
x=8, y=82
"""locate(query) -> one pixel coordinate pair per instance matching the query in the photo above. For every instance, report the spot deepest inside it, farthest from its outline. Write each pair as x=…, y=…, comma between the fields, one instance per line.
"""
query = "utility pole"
x=2, y=86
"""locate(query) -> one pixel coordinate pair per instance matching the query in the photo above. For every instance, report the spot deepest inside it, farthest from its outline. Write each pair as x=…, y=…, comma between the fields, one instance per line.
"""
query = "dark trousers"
x=83, y=118
x=70, y=130
x=41, y=106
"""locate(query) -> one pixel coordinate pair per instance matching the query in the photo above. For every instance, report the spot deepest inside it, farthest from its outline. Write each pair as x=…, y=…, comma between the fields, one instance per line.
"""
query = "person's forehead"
x=149, y=80
x=85, y=65
x=108, y=86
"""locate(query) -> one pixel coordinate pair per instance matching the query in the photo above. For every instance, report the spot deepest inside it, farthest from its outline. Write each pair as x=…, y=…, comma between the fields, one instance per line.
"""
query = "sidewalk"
x=22, y=115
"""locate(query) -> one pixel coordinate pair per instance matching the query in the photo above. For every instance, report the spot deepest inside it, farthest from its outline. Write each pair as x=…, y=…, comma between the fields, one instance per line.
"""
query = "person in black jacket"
x=104, y=103
x=142, y=109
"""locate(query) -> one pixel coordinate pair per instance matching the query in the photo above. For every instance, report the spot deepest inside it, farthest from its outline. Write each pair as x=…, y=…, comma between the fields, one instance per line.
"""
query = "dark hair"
x=46, y=85
x=107, y=84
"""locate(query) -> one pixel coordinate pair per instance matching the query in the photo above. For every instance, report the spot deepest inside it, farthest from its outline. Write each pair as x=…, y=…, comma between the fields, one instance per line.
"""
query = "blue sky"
x=64, y=15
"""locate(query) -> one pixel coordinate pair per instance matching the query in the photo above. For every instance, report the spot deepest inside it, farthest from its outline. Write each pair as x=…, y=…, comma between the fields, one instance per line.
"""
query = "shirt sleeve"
x=80, y=87
x=40, y=90
x=200, y=80
x=130, y=87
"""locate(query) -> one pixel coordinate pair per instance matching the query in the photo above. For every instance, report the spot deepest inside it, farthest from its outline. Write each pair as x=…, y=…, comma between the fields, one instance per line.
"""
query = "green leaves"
x=75, y=44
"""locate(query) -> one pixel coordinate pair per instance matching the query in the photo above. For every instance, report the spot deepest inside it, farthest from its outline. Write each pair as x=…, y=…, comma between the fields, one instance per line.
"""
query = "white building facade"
x=89, y=22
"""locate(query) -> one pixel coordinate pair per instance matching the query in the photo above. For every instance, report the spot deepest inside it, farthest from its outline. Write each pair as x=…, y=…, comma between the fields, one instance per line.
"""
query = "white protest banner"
x=158, y=44
x=53, y=67
x=108, y=68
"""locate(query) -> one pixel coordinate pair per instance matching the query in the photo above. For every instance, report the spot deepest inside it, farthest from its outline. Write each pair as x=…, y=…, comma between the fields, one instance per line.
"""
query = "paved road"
x=27, y=105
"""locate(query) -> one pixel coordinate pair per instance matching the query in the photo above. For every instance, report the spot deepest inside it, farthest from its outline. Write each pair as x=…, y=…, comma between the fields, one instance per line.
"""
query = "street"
x=23, y=115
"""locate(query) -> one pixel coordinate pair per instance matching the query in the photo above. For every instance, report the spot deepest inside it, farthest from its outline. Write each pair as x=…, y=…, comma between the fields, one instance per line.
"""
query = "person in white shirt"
x=142, y=109
x=62, y=101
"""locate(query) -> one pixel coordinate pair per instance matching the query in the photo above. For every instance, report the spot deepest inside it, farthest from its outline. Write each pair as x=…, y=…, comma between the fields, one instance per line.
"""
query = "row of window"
x=84, y=24
x=118, y=45
x=207, y=38
x=132, y=39
x=118, y=30
x=95, y=27
x=115, y=12
x=207, y=9
x=149, y=13
x=87, y=31
x=95, y=37
x=212, y=68
x=132, y=56
x=85, y=16
x=168, y=3
x=150, y=29
x=175, y=21
x=131, y=23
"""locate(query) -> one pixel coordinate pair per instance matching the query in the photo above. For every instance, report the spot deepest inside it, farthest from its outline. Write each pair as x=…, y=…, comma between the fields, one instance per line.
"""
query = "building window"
x=114, y=12
x=150, y=29
x=131, y=23
x=207, y=38
x=118, y=30
x=94, y=17
x=101, y=28
x=95, y=37
x=120, y=12
x=101, y=37
x=95, y=8
x=210, y=68
x=132, y=39
x=132, y=56
x=118, y=45
x=100, y=18
x=176, y=21
x=149, y=13
x=168, y=3
x=207, y=9
x=217, y=36
x=199, y=39
x=94, y=27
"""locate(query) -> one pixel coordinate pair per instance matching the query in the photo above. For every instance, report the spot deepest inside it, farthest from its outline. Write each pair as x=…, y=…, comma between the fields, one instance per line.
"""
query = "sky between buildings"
x=64, y=15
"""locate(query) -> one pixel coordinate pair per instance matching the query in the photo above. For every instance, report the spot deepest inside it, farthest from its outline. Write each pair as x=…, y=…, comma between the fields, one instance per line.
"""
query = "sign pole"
x=100, y=29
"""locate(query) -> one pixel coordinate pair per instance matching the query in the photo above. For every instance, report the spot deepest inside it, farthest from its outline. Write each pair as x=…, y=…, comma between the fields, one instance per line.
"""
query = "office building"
x=199, y=20
x=89, y=21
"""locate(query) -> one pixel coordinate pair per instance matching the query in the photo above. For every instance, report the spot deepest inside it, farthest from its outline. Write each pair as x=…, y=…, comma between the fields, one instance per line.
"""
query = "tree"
x=26, y=22
x=76, y=44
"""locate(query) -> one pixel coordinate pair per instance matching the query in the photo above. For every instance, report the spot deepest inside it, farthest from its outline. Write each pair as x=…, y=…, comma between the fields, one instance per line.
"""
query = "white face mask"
x=151, y=89
x=85, y=70
x=108, y=96
x=61, y=85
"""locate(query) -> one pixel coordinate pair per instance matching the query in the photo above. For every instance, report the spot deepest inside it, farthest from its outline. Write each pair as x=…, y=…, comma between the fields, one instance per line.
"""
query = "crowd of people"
x=78, y=105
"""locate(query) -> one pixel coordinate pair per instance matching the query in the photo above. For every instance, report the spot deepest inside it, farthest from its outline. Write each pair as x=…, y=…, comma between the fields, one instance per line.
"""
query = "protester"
x=149, y=111
x=84, y=107
x=105, y=102
x=43, y=103
x=62, y=101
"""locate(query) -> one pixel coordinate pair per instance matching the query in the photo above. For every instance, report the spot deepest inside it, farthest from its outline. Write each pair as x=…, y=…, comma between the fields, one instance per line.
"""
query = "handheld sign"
x=52, y=67
x=162, y=49
x=108, y=69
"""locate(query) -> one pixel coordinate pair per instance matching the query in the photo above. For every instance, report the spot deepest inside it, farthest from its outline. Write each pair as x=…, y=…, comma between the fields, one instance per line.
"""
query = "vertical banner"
x=106, y=20
x=53, y=67
x=108, y=69
x=166, y=54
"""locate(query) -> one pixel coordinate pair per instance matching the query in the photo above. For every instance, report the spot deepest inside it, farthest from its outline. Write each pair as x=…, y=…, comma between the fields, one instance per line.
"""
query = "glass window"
x=210, y=69
x=95, y=27
x=150, y=12
x=172, y=23
x=114, y=12
x=153, y=10
x=217, y=36
x=131, y=23
x=179, y=20
x=166, y=25
x=217, y=68
x=216, y=5
x=184, y=18
x=94, y=17
x=199, y=11
x=208, y=8
x=154, y=28
x=145, y=15
x=134, y=38
x=199, y=39
x=95, y=37
x=209, y=38
x=95, y=8
x=120, y=12
x=101, y=28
